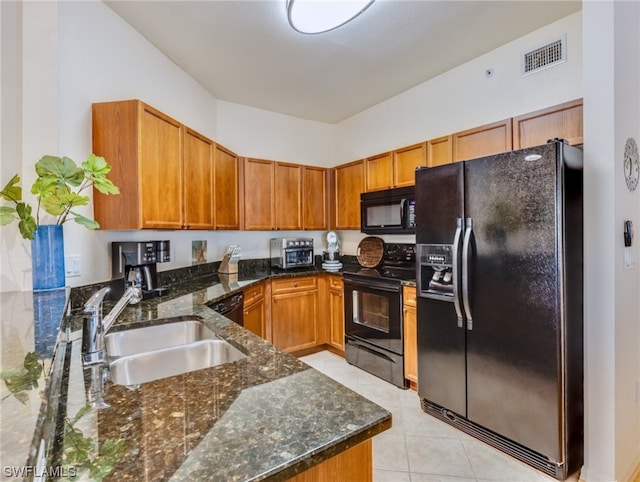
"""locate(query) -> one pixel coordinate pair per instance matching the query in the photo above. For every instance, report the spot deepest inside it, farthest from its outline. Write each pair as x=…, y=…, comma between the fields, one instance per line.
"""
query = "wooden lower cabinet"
x=255, y=310
x=298, y=314
x=294, y=313
x=336, y=313
x=410, y=327
x=354, y=464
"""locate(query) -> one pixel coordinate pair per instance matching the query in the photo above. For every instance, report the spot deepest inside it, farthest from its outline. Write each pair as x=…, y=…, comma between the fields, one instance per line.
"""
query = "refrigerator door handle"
x=456, y=271
x=465, y=272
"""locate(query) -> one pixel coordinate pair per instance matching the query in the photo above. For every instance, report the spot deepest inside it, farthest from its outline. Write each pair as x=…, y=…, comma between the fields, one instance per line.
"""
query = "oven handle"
x=456, y=272
x=370, y=350
x=349, y=283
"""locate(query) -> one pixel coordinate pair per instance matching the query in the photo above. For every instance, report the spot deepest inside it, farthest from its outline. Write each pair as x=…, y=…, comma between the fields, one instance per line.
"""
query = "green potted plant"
x=58, y=191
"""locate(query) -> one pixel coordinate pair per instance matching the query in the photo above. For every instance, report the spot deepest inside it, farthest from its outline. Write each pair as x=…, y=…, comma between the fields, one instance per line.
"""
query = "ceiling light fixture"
x=318, y=16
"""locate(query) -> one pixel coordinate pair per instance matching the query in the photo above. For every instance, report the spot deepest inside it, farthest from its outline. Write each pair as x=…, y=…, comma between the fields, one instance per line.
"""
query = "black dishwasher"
x=231, y=307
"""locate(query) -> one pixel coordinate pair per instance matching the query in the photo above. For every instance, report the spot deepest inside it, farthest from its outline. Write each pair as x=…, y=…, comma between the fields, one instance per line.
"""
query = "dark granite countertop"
x=268, y=416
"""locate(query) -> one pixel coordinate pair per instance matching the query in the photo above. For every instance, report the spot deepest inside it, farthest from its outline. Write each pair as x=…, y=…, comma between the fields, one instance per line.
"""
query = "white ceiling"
x=243, y=51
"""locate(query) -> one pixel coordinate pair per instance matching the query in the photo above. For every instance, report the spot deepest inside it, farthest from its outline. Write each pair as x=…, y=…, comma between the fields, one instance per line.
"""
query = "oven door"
x=373, y=312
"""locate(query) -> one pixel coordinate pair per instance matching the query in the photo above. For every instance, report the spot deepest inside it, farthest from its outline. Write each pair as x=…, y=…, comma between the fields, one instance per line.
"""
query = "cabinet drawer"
x=335, y=283
x=409, y=295
x=253, y=294
x=293, y=284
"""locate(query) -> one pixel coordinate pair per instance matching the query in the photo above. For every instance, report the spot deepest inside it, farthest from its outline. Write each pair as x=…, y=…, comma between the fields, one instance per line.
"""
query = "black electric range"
x=373, y=314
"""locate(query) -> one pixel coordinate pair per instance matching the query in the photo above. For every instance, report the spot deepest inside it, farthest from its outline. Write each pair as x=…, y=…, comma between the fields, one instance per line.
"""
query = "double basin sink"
x=172, y=347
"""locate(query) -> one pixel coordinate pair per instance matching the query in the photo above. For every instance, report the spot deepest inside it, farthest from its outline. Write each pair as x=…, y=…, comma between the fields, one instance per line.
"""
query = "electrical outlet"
x=72, y=265
x=637, y=391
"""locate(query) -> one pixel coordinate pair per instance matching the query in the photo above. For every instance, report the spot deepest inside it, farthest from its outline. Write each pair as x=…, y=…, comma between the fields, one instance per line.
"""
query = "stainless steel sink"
x=150, y=353
x=156, y=337
x=176, y=360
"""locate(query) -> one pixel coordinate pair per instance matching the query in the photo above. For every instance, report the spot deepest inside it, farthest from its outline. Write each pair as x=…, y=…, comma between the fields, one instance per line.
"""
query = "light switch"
x=72, y=265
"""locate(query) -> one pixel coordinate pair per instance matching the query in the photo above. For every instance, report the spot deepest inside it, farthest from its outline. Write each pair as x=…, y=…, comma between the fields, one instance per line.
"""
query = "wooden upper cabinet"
x=226, y=196
x=440, y=151
x=482, y=141
x=315, y=196
x=349, y=182
x=563, y=121
x=379, y=172
x=405, y=162
x=198, y=173
x=259, y=206
x=144, y=148
x=288, y=202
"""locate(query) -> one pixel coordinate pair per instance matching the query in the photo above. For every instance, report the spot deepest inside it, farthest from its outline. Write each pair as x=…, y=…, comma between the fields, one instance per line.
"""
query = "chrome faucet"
x=95, y=327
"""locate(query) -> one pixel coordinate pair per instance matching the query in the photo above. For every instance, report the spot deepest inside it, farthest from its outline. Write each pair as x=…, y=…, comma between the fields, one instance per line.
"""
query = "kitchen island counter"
x=268, y=416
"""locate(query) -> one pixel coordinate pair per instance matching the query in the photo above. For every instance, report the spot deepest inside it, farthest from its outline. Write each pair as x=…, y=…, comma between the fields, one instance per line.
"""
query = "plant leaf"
x=64, y=170
x=27, y=224
x=7, y=215
x=62, y=199
x=86, y=222
x=44, y=186
x=105, y=186
x=12, y=192
x=20, y=383
x=96, y=170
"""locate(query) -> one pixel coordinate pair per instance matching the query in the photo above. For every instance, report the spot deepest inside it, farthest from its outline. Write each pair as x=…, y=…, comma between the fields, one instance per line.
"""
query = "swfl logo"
x=31, y=471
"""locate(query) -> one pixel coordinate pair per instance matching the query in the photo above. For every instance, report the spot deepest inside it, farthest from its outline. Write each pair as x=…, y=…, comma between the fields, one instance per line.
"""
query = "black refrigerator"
x=499, y=282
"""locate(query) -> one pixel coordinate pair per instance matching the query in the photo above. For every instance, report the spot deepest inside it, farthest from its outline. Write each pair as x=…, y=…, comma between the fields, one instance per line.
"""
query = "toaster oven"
x=289, y=253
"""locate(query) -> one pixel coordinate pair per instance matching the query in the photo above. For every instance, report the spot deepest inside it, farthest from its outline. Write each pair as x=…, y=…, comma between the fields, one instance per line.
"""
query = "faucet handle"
x=135, y=285
x=135, y=277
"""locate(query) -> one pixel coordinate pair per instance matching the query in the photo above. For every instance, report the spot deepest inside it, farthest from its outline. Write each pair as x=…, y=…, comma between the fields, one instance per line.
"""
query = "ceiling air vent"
x=548, y=55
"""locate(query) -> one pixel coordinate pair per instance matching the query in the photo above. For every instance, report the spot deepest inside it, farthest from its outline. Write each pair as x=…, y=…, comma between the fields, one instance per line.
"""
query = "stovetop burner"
x=398, y=264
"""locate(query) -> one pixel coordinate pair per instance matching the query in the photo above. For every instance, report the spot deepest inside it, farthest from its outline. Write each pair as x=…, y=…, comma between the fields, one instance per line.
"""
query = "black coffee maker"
x=142, y=256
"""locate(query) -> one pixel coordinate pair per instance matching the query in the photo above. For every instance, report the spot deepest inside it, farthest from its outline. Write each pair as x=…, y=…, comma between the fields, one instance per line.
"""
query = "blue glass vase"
x=47, y=258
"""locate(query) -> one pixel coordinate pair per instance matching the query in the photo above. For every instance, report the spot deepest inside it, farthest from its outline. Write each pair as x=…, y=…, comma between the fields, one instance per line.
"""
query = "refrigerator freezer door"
x=441, y=341
x=513, y=350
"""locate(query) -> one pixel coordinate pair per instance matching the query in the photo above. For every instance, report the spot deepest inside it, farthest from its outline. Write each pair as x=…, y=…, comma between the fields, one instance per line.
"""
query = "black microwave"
x=392, y=211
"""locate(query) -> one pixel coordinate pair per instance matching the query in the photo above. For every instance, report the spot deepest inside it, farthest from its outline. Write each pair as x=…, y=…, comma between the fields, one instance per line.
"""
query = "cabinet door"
x=563, y=121
x=254, y=318
x=379, y=172
x=410, y=343
x=259, y=211
x=198, y=174
x=161, y=180
x=226, y=189
x=336, y=316
x=294, y=320
x=314, y=198
x=114, y=133
x=348, y=184
x=440, y=151
x=482, y=141
x=405, y=162
x=288, y=202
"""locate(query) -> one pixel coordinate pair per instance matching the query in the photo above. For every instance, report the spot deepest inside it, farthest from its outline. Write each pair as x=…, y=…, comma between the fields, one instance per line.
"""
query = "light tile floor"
x=418, y=447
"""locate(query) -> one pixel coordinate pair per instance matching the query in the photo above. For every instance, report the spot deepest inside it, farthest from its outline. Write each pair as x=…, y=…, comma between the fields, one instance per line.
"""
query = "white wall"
x=612, y=331
x=463, y=97
x=252, y=132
